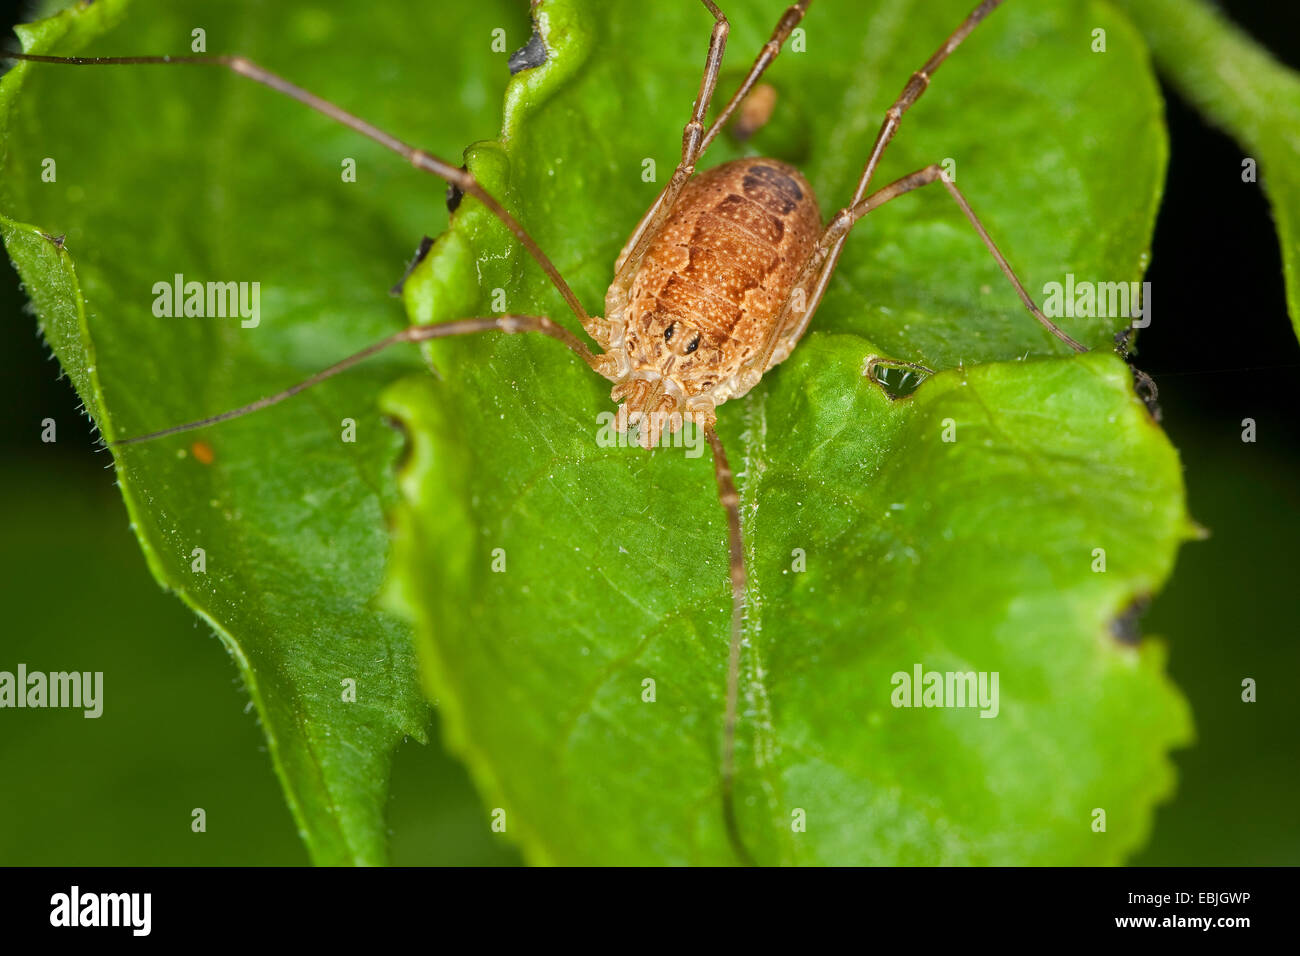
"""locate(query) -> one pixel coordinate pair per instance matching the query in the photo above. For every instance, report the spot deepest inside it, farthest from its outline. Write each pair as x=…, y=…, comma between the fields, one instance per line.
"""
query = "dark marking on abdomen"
x=771, y=189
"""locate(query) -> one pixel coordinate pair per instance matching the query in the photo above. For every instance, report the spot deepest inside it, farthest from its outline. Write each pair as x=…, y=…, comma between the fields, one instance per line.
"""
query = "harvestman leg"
x=789, y=20
x=730, y=500
x=727, y=493
x=822, y=260
x=695, y=139
x=916, y=85
x=418, y=158
x=821, y=263
x=414, y=333
x=692, y=137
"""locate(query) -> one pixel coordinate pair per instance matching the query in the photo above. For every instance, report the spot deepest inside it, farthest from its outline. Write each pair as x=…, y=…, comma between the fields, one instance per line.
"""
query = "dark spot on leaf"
x=1127, y=627
x=425, y=245
x=529, y=56
x=895, y=381
x=404, y=456
x=454, y=193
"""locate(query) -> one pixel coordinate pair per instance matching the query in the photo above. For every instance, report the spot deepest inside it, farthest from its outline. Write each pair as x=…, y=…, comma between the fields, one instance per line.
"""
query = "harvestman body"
x=717, y=283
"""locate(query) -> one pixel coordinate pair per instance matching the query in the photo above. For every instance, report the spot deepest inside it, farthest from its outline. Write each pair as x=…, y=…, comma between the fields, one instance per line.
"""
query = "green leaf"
x=1240, y=87
x=616, y=558
x=979, y=554
x=164, y=171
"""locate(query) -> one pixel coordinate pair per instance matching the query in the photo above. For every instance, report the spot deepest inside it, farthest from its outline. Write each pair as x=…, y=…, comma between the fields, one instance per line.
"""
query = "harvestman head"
x=717, y=283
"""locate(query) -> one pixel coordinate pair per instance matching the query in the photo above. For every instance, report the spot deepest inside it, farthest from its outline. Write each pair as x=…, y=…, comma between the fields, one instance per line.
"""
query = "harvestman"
x=717, y=283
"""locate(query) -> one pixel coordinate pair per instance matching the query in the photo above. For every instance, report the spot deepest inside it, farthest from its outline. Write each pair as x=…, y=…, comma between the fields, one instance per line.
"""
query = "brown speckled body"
x=711, y=285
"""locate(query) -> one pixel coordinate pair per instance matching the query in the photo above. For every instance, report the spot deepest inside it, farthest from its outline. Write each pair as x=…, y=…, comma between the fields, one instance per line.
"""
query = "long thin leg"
x=730, y=500
x=692, y=140
x=789, y=328
x=415, y=333
x=789, y=20
x=924, y=177
x=727, y=496
x=694, y=144
x=418, y=158
x=916, y=85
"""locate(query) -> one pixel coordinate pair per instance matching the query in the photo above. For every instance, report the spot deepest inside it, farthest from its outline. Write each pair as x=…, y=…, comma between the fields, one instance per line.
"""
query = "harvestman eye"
x=740, y=201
